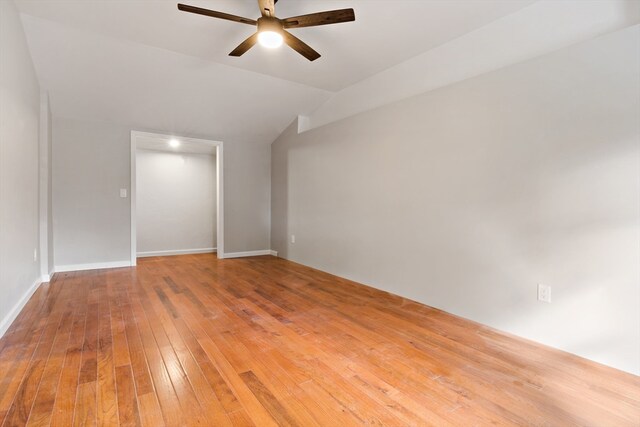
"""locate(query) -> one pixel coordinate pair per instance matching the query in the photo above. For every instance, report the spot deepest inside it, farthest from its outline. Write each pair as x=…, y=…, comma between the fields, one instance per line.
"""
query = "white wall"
x=19, y=119
x=175, y=202
x=91, y=162
x=466, y=197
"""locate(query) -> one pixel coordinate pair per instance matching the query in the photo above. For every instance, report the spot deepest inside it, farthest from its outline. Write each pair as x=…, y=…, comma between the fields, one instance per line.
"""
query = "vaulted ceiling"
x=144, y=63
x=384, y=33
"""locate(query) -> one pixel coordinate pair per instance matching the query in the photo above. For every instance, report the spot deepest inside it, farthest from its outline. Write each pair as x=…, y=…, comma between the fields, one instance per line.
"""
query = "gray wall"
x=175, y=201
x=467, y=197
x=91, y=162
x=19, y=119
x=45, y=187
x=50, y=260
x=90, y=220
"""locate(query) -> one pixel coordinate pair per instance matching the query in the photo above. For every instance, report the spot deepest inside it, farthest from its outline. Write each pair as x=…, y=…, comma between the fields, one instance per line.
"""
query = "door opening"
x=177, y=201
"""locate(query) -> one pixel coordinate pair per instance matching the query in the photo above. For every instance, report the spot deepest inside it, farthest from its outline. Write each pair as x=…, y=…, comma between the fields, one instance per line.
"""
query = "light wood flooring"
x=194, y=341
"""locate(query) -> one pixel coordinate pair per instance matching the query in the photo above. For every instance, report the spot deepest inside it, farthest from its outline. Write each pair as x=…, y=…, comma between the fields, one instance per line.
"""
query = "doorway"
x=177, y=202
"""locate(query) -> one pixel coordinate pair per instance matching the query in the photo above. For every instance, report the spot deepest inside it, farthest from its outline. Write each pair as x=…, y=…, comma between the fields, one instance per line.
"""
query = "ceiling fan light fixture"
x=270, y=39
x=272, y=31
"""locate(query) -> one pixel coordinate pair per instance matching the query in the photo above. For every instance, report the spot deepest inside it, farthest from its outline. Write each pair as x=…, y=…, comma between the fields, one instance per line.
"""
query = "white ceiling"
x=385, y=32
x=144, y=64
x=94, y=77
x=538, y=29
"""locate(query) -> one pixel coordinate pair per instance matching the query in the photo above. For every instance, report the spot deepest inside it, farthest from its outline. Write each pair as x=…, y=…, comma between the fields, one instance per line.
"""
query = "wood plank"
x=268, y=400
x=118, y=297
x=127, y=403
x=85, y=413
x=162, y=386
x=107, y=410
x=63, y=408
x=42, y=408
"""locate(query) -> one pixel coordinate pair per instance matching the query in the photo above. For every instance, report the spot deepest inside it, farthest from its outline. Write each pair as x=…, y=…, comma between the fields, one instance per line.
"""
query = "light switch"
x=123, y=193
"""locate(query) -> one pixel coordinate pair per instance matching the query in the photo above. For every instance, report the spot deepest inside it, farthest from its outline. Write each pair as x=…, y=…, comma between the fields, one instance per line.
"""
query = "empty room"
x=320, y=213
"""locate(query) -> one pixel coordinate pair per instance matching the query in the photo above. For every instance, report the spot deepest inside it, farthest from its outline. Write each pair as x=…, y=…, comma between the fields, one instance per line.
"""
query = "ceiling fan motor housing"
x=270, y=24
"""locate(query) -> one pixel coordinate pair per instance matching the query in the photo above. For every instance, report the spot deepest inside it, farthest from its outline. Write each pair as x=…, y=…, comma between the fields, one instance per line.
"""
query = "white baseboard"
x=11, y=316
x=45, y=278
x=94, y=266
x=249, y=253
x=274, y=253
x=176, y=252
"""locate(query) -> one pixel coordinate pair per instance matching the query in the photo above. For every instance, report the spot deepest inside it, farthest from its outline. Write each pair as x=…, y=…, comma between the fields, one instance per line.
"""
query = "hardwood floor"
x=191, y=340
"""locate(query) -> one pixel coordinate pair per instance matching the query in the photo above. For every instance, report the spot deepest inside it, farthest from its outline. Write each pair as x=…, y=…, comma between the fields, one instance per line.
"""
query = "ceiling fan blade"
x=267, y=8
x=320, y=18
x=214, y=14
x=245, y=45
x=299, y=46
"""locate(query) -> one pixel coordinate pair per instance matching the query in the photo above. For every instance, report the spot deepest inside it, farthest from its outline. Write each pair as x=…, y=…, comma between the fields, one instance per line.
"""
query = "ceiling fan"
x=272, y=30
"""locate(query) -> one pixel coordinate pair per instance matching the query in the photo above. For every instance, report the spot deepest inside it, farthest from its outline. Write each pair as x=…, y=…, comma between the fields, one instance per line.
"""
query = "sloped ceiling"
x=538, y=29
x=384, y=33
x=146, y=64
x=95, y=77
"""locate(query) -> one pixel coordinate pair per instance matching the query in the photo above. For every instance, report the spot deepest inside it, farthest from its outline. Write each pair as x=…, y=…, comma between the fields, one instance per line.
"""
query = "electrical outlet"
x=123, y=193
x=544, y=293
x=293, y=238
x=35, y=254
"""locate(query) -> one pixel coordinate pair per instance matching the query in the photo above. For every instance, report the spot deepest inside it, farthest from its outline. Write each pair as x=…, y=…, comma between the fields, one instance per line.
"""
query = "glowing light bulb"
x=174, y=143
x=270, y=39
